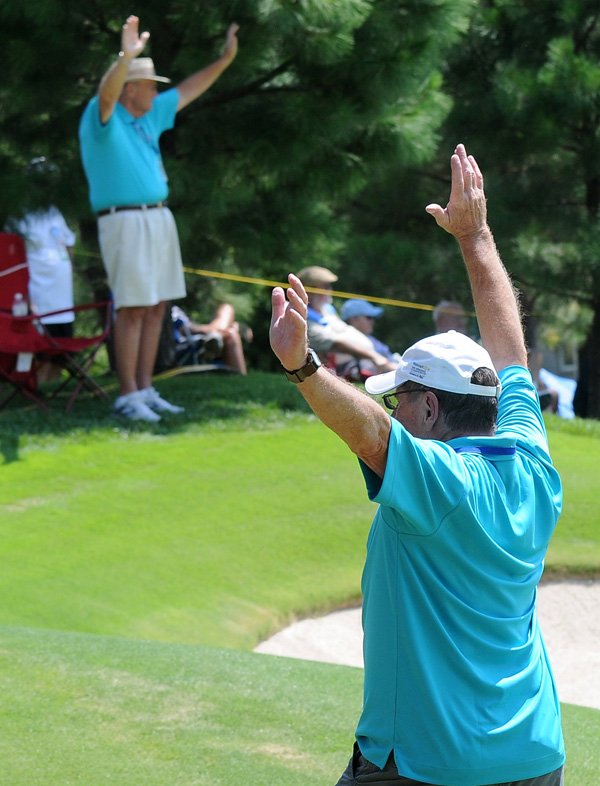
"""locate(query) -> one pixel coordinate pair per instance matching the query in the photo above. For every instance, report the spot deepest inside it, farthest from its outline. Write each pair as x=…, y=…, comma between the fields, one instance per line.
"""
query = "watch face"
x=314, y=358
x=307, y=370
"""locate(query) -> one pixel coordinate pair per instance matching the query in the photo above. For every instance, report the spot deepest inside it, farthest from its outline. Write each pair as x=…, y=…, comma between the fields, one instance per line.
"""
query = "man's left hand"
x=288, y=333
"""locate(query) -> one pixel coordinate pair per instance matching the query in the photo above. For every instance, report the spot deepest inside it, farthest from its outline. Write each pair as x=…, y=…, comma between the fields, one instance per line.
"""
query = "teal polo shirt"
x=457, y=680
x=121, y=158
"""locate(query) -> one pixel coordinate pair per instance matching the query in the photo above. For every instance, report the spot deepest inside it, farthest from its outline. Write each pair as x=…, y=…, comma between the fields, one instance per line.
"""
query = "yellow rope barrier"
x=333, y=292
x=265, y=282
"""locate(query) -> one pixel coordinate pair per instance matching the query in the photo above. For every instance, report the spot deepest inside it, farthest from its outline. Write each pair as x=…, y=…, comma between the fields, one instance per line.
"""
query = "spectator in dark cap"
x=450, y=315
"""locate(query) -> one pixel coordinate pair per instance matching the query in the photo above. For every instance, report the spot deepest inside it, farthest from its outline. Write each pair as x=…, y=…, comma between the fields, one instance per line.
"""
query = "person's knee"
x=157, y=311
x=131, y=314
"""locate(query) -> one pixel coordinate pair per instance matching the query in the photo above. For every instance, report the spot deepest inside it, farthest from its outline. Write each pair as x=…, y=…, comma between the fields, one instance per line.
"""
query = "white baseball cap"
x=445, y=361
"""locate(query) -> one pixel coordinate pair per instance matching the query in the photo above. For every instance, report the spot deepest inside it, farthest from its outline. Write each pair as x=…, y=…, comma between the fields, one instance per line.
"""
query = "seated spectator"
x=223, y=336
x=328, y=334
x=548, y=395
x=361, y=314
x=49, y=246
x=450, y=315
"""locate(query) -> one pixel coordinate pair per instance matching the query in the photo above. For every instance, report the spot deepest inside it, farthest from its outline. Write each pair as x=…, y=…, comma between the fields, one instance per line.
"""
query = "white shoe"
x=152, y=399
x=132, y=406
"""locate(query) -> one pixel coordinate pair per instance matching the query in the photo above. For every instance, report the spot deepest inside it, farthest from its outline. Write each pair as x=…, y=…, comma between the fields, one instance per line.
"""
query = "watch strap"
x=298, y=375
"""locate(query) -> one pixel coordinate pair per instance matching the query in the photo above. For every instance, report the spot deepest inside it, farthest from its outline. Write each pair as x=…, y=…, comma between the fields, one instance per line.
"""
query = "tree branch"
x=251, y=87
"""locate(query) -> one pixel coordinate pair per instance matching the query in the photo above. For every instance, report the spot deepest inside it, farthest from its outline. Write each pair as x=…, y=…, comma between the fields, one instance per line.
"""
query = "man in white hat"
x=119, y=135
x=458, y=688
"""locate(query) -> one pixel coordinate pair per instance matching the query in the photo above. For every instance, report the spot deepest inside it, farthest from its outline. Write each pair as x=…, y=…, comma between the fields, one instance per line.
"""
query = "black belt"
x=119, y=208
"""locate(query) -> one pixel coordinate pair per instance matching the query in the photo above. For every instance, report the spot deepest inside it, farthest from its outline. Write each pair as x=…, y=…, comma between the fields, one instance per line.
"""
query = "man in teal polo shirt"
x=458, y=688
x=119, y=136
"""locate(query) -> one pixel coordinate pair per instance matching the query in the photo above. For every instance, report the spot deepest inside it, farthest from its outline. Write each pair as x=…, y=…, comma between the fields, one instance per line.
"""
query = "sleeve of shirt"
x=90, y=125
x=164, y=110
x=519, y=411
x=423, y=482
x=67, y=236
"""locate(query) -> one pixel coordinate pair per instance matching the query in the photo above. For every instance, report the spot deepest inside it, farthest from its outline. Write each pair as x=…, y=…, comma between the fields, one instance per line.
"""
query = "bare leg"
x=150, y=336
x=224, y=317
x=48, y=372
x=225, y=324
x=233, y=352
x=127, y=337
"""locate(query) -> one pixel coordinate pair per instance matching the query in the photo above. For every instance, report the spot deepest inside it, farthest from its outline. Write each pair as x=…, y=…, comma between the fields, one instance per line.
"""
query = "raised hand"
x=231, y=43
x=132, y=43
x=466, y=213
x=288, y=333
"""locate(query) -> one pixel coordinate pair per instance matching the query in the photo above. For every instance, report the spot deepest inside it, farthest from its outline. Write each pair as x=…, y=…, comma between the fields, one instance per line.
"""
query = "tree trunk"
x=593, y=359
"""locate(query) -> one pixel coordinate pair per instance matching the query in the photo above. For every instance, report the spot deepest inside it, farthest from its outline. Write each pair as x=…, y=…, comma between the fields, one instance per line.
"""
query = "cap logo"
x=419, y=371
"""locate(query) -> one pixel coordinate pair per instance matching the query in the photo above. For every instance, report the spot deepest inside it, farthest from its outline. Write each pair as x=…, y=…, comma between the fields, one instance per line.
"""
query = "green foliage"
x=531, y=117
x=322, y=97
x=330, y=133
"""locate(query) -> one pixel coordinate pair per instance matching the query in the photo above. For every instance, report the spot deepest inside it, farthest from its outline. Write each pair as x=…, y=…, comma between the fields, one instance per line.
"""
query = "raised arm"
x=111, y=84
x=496, y=301
x=349, y=347
x=199, y=82
x=352, y=415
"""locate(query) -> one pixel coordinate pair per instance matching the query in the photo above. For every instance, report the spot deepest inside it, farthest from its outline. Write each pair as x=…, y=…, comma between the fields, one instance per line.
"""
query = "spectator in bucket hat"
x=119, y=136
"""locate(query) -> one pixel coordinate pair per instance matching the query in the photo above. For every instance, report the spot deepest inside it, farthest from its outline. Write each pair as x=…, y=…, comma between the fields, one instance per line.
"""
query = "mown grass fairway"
x=90, y=710
x=164, y=544
x=212, y=538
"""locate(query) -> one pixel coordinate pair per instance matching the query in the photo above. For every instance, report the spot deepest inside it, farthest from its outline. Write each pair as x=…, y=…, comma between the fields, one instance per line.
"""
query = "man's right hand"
x=465, y=215
x=132, y=43
x=496, y=302
x=231, y=42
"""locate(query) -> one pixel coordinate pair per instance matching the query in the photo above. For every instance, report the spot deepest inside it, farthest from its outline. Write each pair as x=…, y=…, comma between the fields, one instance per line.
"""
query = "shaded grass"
x=82, y=710
x=212, y=402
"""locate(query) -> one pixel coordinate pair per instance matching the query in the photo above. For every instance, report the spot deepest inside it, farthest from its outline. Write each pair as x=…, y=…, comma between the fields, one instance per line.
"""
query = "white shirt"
x=47, y=238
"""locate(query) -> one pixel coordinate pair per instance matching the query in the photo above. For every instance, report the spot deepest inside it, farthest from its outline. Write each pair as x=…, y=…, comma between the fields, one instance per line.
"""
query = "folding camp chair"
x=24, y=339
x=186, y=352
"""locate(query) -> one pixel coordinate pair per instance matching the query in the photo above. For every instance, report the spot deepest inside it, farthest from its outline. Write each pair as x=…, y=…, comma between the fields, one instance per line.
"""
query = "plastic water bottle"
x=19, y=306
x=19, y=309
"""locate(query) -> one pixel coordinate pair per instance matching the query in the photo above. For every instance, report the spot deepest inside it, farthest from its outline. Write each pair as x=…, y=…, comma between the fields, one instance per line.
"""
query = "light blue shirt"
x=457, y=679
x=121, y=157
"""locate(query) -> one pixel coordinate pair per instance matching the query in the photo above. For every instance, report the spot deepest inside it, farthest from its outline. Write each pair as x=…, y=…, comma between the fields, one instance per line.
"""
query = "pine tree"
x=526, y=90
x=322, y=97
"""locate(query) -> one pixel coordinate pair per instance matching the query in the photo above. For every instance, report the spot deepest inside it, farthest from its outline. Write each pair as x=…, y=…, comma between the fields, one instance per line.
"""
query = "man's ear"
x=431, y=409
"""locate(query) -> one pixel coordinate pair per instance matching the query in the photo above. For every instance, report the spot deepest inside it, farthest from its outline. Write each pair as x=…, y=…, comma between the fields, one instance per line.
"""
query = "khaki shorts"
x=141, y=256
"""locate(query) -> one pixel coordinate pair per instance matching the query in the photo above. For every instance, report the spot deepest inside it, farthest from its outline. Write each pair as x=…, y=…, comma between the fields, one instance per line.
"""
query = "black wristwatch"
x=307, y=370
